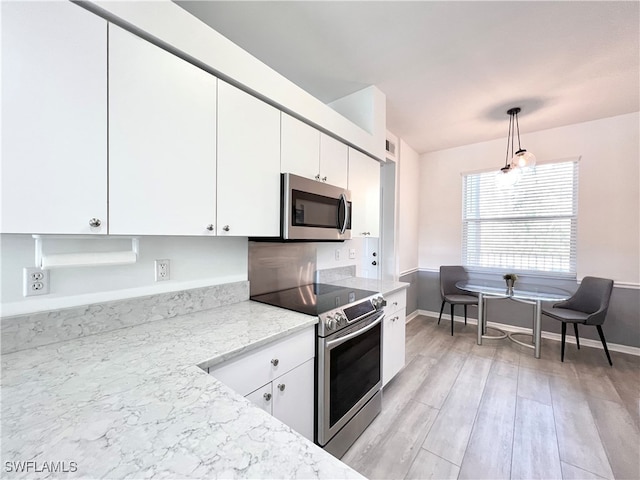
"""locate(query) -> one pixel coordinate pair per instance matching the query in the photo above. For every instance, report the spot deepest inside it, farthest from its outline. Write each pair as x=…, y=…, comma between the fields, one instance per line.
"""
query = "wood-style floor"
x=460, y=410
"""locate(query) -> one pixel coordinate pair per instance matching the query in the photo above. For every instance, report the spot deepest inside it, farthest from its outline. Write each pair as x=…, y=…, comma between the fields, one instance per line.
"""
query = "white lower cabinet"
x=279, y=378
x=289, y=398
x=393, y=335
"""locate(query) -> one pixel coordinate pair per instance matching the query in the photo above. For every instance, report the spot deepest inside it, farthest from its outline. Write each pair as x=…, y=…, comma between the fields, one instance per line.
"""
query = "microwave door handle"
x=343, y=201
x=338, y=341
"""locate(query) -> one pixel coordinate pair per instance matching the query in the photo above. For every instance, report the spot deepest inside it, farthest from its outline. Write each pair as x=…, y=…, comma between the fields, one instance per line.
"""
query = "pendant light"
x=509, y=175
x=522, y=158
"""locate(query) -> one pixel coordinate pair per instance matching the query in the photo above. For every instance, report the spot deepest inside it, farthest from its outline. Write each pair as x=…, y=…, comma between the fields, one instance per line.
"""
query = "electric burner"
x=314, y=299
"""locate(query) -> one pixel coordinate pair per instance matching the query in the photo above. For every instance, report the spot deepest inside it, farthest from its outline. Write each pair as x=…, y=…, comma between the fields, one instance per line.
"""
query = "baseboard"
x=587, y=342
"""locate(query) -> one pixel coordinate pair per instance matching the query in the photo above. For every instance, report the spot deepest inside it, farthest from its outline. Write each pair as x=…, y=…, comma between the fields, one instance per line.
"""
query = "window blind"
x=529, y=227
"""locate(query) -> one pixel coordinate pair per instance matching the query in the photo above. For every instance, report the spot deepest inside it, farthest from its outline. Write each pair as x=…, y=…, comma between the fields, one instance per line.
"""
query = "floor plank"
x=619, y=436
x=428, y=466
x=571, y=472
x=579, y=442
x=488, y=454
x=535, y=451
x=450, y=433
x=393, y=455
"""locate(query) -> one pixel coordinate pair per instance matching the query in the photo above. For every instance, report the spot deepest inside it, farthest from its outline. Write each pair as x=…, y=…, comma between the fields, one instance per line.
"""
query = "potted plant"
x=510, y=278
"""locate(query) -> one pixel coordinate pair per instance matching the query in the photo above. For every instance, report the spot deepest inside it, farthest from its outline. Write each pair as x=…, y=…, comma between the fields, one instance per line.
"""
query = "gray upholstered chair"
x=587, y=306
x=449, y=275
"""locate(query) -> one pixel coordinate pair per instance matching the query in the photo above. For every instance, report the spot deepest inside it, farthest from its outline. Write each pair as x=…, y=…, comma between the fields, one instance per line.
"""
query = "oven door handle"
x=339, y=341
x=343, y=201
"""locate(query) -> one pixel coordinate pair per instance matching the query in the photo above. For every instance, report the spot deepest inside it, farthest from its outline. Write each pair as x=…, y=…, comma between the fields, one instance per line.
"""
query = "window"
x=529, y=227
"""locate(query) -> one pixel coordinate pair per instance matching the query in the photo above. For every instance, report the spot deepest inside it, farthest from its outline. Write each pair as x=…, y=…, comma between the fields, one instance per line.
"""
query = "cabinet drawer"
x=396, y=301
x=259, y=367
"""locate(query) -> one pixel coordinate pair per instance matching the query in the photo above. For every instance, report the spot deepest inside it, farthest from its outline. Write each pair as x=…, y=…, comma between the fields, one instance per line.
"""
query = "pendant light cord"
x=509, y=138
x=518, y=127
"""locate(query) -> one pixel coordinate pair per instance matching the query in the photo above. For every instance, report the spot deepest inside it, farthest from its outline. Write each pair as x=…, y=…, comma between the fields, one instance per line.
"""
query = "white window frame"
x=503, y=219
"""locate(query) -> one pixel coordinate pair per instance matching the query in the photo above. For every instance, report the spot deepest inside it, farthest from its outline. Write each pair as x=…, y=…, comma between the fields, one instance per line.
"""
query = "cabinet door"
x=393, y=345
x=263, y=398
x=293, y=398
x=162, y=141
x=364, y=183
x=300, y=148
x=54, y=119
x=333, y=161
x=248, y=165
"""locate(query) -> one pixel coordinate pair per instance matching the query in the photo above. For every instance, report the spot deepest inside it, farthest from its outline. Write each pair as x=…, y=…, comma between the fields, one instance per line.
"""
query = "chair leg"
x=452, y=319
x=604, y=343
x=441, y=309
x=564, y=335
x=465, y=314
x=575, y=329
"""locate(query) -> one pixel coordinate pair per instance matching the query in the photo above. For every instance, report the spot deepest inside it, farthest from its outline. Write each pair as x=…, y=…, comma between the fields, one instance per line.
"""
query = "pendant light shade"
x=509, y=175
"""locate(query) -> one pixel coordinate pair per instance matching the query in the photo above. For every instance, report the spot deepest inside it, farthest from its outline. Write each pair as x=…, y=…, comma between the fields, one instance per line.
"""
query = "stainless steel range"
x=348, y=357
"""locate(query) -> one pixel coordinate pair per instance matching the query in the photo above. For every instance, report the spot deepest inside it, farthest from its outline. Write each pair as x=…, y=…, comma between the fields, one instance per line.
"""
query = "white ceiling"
x=450, y=70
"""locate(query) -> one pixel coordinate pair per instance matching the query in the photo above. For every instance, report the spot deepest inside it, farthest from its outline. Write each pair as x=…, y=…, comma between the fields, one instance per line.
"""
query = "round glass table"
x=529, y=294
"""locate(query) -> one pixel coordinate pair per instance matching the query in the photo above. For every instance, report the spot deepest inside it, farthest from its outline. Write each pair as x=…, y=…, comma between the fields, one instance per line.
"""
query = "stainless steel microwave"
x=313, y=210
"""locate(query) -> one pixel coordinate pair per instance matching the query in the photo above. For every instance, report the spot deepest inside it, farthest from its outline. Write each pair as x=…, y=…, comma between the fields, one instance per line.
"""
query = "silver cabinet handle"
x=95, y=222
x=365, y=233
x=210, y=227
x=324, y=179
x=226, y=228
x=267, y=396
x=281, y=387
x=275, y=362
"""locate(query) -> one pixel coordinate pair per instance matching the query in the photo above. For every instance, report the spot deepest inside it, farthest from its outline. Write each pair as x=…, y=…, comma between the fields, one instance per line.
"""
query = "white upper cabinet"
x=300, y=148
x=54, y=119
x=364, y=183
x=333, y=161
x=309, y=153
x=162, y=141
x=248, y=165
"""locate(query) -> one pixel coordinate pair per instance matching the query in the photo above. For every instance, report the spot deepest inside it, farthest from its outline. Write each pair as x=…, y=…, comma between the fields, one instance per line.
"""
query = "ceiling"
x=450, y=70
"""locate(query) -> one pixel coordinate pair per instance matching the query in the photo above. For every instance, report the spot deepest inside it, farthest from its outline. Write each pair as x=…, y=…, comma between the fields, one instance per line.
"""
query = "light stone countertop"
x=132, y=403
x=385, y=287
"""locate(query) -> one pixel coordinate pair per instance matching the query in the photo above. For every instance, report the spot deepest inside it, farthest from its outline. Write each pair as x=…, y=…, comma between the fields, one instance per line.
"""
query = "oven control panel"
x=340, y=318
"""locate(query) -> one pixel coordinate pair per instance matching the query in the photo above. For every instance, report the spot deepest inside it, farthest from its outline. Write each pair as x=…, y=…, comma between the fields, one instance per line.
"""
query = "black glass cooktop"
x=313, y=299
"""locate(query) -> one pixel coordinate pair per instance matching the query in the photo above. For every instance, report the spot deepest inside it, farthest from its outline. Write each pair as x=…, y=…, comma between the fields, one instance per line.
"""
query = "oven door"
x=349, y=373
x=314, y=210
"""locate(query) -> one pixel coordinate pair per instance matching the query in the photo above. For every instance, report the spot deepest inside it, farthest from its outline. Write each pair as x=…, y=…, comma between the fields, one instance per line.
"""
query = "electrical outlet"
x=352, y=253
x=35, y=281
x=163, y=271
x=337, y=254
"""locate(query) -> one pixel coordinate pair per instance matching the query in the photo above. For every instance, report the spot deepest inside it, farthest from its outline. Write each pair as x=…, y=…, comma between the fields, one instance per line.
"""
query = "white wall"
x=408, y=214
x=195, y=262
x=608, y=203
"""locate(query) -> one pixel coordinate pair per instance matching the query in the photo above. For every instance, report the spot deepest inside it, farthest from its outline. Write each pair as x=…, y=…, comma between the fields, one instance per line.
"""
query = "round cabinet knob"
x=374, y=263
x=267, y=396
x=210, y=227
x=281, y=387
x=324, y=179
x=395, y=304
x=95, y=222
x=226, y=228
x=374, y=254
x=318, y=177
x=275, y=362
